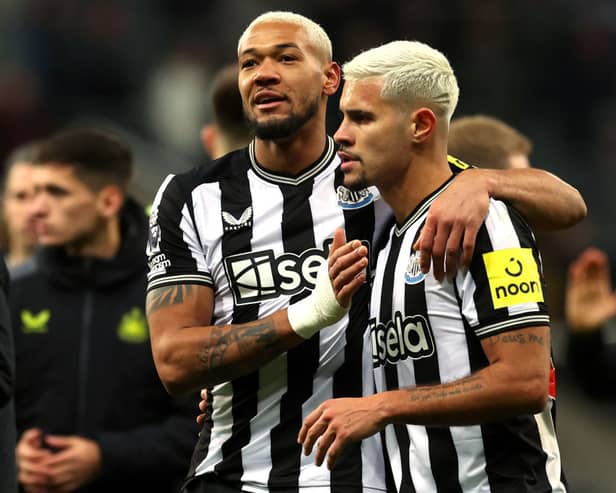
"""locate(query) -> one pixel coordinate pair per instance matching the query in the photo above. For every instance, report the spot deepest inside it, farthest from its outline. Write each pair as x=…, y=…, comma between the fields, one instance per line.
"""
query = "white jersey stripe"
x=547, y=434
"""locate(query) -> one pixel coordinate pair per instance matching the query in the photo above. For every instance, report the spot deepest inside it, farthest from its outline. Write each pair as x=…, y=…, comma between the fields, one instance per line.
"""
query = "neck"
x=296, y=153
x=424, y=174
x=18, y=253
x=104, y=243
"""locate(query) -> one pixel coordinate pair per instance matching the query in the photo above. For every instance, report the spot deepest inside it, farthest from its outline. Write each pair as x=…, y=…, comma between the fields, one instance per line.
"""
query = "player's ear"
x=209, y=134
x=110, y=200
x=331, y=78
x=423, y=124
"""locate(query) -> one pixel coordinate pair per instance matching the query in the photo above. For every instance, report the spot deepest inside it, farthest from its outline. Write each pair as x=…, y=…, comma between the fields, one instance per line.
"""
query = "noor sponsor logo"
x=513, y=277
x=400, y=338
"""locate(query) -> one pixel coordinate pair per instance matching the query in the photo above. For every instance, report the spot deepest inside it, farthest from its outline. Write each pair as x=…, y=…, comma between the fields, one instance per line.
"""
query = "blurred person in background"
x=17, y=235
x=8, y=472
x=92, y=414
x=488, y=142
x=229, y=129
x=590, y=308
x=273, y=208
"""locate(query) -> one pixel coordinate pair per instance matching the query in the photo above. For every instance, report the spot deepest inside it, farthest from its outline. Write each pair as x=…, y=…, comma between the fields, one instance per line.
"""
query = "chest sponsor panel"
x=263, y=275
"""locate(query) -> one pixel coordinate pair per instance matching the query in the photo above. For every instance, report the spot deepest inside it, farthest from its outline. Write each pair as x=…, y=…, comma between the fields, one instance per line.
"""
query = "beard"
x=356, y=184
x=285, y=127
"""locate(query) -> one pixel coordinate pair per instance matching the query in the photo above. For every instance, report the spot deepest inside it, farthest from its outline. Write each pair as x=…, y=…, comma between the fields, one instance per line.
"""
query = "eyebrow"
x=278, y=47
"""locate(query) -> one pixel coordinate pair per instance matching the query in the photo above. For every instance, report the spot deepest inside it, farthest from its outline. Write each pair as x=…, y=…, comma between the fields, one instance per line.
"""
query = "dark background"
x=143, y=67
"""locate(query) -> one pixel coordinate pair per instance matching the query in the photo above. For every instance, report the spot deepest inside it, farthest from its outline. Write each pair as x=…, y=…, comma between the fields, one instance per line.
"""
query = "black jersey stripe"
x=303, y=360
x=527, y=239
x=169, y=219
x=391, y=374
x=358, y=224
x=203, y=442
x=483, y=301
x=390, y=482
x=442, y=451
x=235, y=199
x=511, y=447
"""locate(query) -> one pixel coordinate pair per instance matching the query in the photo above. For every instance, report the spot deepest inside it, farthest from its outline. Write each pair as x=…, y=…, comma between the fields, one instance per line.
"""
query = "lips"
x=266, y=98
x=347, y=159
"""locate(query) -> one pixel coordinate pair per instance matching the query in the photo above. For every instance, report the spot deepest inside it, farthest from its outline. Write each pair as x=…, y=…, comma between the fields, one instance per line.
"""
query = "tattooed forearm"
x=258, y=342
x=517, y=338
x=166, y=296
x=471, y=384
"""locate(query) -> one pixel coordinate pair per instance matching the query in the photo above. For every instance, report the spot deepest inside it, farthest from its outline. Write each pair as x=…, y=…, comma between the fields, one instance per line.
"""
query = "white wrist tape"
x=318, y=310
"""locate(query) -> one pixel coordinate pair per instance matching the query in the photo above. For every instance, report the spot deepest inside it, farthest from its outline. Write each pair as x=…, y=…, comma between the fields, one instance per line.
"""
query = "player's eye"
x=247, y=63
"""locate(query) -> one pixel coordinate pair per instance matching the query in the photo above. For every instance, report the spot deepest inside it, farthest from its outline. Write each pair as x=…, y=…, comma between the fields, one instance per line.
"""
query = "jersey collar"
x=286, y=179
x=422, y=208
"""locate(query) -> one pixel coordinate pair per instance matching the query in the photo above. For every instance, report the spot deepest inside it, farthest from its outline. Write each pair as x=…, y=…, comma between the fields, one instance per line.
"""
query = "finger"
x=58, y=441
x=32, y=467
x=334, y=452
x=348, y=267
x=33, y=476
x=338, y=258
x=201, y=419
x=64, y=476
x=438, y=252
x=204, y=394
x=311, y=419
x=345, y=294
x=310, y=431
x=576, y=271
x=426, y=242
x=35, y=488
x=31, y=454
x=452, y=252
x=468, y=244
x=339, y=237
x=323, y=446
x=202, y=405
x=32, y=436
x=59, y=461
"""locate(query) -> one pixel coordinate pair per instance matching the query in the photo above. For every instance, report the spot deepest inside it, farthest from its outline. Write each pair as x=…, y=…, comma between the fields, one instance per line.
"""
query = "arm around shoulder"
x=546, y=201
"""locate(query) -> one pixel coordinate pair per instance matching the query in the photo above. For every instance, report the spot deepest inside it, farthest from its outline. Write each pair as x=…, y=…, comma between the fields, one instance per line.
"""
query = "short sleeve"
x=504, y=288
x=175, y=252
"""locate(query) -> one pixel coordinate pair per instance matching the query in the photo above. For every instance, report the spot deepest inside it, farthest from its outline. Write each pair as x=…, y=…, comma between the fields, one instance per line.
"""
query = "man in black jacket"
x=8, y=483
x=91, y=412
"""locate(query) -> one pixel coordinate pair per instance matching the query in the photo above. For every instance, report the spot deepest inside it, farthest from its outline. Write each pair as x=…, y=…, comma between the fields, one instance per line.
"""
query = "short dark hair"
x=227, y=103
x=99, y=157
x=486, y=141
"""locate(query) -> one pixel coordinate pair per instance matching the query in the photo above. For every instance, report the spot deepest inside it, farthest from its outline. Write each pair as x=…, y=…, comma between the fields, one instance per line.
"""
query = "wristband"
x=317, y=310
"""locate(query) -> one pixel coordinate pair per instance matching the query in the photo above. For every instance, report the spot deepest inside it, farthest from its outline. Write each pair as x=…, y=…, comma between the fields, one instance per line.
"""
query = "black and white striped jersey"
x=257, y=238
x=425, y=332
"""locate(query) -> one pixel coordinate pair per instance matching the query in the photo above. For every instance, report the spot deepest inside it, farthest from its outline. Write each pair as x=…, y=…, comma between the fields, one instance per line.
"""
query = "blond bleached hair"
x=412, y=72
x=314, y=32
